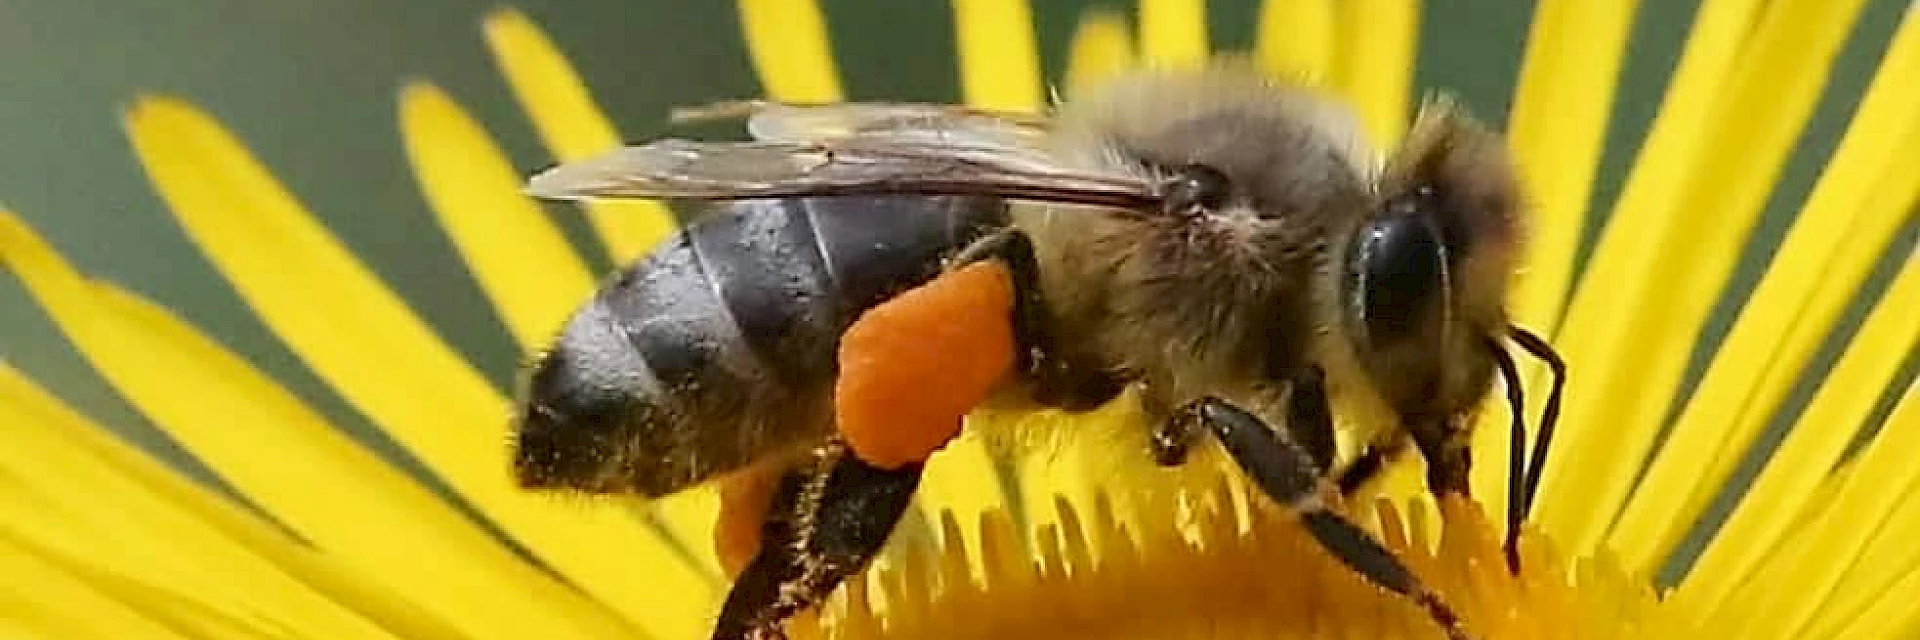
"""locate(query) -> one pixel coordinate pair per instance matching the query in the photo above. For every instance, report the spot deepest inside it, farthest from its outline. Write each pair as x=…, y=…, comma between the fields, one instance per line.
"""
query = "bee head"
x=1426, y=274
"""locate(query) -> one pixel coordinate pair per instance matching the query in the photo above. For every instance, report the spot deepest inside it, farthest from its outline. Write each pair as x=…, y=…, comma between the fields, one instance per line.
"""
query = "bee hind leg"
x=1058, y=378
x=1285, y=471
x=823, y=525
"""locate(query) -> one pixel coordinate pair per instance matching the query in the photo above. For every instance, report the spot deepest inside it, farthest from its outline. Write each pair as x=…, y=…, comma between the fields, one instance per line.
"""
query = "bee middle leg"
x=1285, y=470
x=824, y=523
x=1310, y=422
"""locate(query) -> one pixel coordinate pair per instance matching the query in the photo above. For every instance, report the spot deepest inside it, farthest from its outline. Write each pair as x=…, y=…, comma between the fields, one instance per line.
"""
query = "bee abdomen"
x=719, y=347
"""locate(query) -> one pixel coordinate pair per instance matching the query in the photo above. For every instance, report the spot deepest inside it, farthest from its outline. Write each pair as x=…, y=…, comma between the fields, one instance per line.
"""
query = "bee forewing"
x=675, y=168
x=925, y=123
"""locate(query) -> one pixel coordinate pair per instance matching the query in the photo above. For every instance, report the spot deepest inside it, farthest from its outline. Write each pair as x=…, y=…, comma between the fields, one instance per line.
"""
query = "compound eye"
x=1400, y=262
x=1196, y=189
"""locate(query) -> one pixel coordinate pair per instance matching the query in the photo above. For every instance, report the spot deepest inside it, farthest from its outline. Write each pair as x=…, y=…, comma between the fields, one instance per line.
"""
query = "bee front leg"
x=1285, y=471
x=1447, y=449
x=822, y=526
x=1171, y=438
x=1369, y=464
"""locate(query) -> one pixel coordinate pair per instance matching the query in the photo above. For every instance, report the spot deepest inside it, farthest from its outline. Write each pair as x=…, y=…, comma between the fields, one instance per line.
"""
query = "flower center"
x=1212, y=564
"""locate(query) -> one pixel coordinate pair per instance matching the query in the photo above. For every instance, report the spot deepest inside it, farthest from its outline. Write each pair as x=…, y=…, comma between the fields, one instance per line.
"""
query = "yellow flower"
x=327, y=540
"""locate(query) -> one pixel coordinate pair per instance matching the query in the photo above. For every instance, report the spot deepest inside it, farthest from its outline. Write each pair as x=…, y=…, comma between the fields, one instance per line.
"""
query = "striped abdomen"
x=719, y=347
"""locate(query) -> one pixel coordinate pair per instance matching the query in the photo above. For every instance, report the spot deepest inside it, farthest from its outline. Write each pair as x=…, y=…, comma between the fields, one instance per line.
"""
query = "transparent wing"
x=676, y=168
x=878, y=121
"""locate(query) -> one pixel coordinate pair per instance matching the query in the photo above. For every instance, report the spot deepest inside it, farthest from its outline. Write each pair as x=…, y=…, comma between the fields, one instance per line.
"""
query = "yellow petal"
x=1658, y=270
x=964, y=478
x=1890, y=615
x=61, y=605
x=118, y=574
x=1862, y=200
x=1783, y=597
x=999, y=62
x=289, y=460
x=1071, y=456
x=196, y=614
x=1671, y=150
x=45, y=504
x=1102, y=47
x=1822, y=500
x=1296, y=38
x=560, y=105
x=1492, y=440
x=1811, y=449
x=69, y=460
x=521, y=261
x=359, y=337
x=1561, y=108
x=564, y=114
x=1373, y=62
x=788, y=42
x=1173, y=32
x=1890, y=560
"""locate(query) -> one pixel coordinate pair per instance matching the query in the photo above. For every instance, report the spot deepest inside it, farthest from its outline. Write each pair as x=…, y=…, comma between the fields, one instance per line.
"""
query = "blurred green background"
x=311, y=87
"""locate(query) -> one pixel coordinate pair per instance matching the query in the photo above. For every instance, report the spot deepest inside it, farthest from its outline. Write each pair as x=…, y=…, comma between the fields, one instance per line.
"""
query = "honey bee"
x=1226, y=244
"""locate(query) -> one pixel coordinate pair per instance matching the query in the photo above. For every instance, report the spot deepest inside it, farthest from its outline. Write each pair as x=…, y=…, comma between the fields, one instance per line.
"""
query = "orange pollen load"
x=744, y=498
x=912, y=367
